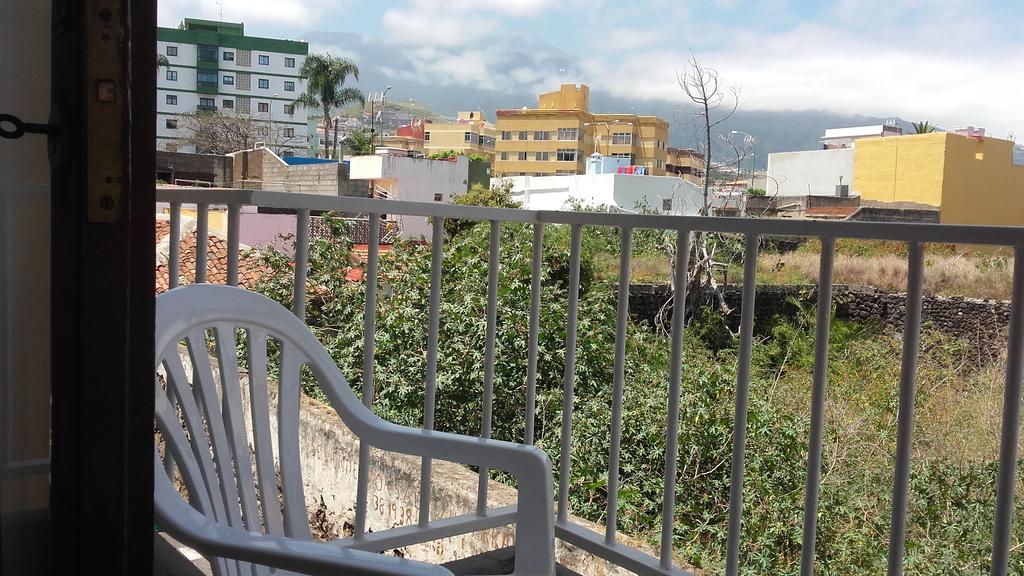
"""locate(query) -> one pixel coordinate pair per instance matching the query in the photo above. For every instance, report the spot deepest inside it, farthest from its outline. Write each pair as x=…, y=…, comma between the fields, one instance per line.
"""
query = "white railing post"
x=818, y=385
x=618, y=383
x=202, y=241
x=174, y=248
x=493, y=268
x=739, y=431
x=234, y=225
x=434, y=325
x=905, y=417
x=668, y=501
x=1011, y=422
x=301, y=264
x=569, y=374
x=369, y=330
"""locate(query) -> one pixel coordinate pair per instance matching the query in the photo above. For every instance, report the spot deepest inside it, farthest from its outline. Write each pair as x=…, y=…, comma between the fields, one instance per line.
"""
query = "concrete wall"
x=171, y=166
x=619, y=190
x=981, y=183
x=261, y=169
x=811, y=172
x=901, y=168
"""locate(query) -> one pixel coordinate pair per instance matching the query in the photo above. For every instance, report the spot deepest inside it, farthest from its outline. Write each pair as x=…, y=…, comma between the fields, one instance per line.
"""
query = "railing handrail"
x=904, y=232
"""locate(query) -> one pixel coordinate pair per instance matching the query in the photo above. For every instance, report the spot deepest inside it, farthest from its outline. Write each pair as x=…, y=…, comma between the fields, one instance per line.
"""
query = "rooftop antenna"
x=220, y=6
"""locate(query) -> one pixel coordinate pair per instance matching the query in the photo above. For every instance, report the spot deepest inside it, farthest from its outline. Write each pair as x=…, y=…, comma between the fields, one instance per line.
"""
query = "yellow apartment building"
x=471, y=133
x=688, y=163
x=558, y=136
x=972, y=179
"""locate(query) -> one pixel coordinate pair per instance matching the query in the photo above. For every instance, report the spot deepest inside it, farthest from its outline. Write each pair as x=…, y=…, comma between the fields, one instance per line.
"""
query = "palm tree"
x=325, y=77
x=923, y=127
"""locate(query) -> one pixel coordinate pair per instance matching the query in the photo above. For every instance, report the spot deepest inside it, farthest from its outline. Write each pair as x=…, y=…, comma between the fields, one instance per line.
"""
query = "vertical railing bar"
x=174, y=248
x=533, y=344
x=675, y=377
x=905, y=417
x=234, y=224
x=301, y=264
x=202, y=240
x=569, y=375
x=819, y=383
x=1011, y=422
x=618, y=378
x=434, y=324
x=739, y=433
x=369, y=330
x=492, y=327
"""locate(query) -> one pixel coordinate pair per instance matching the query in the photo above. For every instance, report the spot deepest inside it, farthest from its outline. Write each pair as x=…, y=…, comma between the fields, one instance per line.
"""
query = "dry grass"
x=956, y=275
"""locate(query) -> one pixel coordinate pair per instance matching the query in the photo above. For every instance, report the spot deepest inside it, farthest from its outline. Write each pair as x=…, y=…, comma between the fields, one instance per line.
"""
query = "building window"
x=172, y=75
x=207, y=80
x=622, y=138
x=172, y=50
x=541, y=156
x=263, y=107
x=566, y=155
x=289, y=86
x=207, y=104
x=523, y=134
x=467, y=136
x=171, y=99
x=506, y=135
x=261, y=131
x=207, y=53
x=568, y=134
x=228, y=104
x=264, y=83
x=289, y=109
x=289, y=62
x=522, y=156
x=264, y=60
x=541, y=135
x=171, y=124
x=426, y=136
x=228, y=56
x=229, y=80
x=666, y=205
x=564, y=172
x=438, y=197
x=504, y=155
x=289, y=132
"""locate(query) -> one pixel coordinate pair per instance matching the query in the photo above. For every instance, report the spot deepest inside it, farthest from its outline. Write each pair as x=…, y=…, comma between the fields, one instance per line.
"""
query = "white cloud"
x=271, y=14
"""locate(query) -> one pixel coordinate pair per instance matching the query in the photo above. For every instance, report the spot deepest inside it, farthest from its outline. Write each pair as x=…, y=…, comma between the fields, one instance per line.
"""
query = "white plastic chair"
x=205, y=433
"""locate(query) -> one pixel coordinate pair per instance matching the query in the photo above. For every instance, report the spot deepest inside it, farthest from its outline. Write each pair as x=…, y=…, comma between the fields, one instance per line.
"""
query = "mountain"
x=520, y=66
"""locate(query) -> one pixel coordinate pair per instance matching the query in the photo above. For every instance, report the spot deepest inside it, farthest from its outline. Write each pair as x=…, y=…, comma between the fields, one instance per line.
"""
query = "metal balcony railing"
x=607, y=545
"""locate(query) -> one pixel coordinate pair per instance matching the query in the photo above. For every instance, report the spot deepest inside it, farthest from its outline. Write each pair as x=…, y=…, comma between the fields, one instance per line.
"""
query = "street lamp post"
x=383, y=107
x=747, y=138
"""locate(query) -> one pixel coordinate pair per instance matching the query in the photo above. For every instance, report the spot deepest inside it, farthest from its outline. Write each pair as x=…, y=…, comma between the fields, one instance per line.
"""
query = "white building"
x=810, y=172
x=845, y=137
x=626, y=192
x=412, y=179
x=213, y=65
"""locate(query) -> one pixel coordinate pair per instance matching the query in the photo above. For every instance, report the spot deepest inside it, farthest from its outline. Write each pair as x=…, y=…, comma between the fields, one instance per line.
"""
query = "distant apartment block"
x=215, y=66
x=686, y=162
x=558, y=137
x=470, y=133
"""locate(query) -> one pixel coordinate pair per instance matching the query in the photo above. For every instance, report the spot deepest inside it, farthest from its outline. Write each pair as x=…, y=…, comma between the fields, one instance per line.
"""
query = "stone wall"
x=171, y=166
x=908, y=215
x=983, y=323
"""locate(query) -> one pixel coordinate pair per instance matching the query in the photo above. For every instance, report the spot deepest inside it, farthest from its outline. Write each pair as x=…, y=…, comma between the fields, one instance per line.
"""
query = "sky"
x=951, y=62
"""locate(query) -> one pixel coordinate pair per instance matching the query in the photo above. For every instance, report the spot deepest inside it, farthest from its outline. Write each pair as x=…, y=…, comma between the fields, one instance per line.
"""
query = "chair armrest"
x=208, y=537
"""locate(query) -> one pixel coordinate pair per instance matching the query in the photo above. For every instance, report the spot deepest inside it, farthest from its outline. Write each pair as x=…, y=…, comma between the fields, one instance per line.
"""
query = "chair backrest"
x=209, y=417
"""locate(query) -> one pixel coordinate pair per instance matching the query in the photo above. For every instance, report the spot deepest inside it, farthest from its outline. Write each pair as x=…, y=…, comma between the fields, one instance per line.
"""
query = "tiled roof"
x=249, y=270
